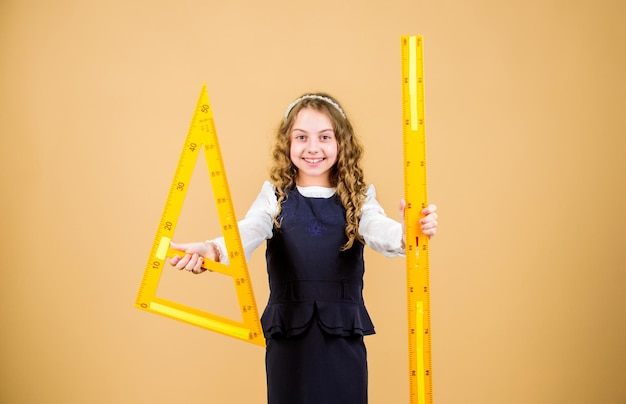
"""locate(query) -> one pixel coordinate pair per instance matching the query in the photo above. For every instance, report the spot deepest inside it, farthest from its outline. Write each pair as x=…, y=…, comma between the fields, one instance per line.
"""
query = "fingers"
x=190, y=248
x=189, y=262
x=429, y=229
x=191, y=258
x=429, y=222
x=429, y=209
x=197, y=269
x=174, y=260
x=401, y=207
x=179, y=247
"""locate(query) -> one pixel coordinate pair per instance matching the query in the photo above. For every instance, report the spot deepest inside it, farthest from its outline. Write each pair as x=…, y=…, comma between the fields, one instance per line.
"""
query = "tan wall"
x=525, y=106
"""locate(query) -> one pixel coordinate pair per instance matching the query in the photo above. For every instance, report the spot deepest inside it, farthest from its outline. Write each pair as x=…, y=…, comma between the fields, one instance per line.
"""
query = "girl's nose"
x=313, y=146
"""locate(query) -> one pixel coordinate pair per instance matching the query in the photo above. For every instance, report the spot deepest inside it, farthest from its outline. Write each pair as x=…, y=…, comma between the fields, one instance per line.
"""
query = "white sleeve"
x=257, y=225
x=380, y=232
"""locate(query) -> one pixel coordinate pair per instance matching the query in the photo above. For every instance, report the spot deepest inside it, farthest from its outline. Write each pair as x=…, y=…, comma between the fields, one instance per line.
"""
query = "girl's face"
x=313, y=148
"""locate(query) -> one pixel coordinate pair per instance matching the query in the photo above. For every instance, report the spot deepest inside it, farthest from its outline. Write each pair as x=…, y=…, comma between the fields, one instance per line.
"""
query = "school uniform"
x=315, y=319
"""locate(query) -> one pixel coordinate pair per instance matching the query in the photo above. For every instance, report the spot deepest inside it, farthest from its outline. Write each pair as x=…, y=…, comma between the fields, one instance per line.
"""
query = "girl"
x=316, y=213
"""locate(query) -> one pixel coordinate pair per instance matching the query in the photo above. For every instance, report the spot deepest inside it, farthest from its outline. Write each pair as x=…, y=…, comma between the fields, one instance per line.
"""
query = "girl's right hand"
x=195, y=254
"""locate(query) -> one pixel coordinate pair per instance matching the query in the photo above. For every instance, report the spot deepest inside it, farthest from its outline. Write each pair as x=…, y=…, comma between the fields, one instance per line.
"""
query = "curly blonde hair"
x=346, y=175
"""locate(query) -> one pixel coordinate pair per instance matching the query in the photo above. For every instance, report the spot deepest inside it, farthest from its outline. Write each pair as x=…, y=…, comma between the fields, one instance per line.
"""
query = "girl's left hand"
x=428, y=223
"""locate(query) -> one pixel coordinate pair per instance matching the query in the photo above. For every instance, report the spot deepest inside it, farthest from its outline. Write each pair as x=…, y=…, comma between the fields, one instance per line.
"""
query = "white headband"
x=316, y=97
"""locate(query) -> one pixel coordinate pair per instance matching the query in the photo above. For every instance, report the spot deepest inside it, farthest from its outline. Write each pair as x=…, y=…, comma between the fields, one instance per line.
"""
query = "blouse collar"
x=316, y=191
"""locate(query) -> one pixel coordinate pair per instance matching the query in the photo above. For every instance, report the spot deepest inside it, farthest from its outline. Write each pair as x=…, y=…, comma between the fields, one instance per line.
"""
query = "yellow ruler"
x=202, y=136
x=415, y=189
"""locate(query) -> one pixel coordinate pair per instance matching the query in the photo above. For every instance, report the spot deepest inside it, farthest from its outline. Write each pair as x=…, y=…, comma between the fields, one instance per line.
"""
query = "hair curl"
x=346, y=175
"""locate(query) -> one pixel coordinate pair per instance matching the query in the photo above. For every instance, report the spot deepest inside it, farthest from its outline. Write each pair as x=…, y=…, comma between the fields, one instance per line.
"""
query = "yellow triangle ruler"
x=417, y=267
x=202, y=136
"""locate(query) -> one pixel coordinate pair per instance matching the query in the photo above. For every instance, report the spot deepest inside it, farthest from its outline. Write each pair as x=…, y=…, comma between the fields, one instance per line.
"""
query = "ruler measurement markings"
x=418, y=291
x=202, y=133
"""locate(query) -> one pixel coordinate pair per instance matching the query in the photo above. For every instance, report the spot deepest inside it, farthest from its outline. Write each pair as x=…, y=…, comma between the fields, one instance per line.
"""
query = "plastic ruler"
x=415, y=189
x=202, y=136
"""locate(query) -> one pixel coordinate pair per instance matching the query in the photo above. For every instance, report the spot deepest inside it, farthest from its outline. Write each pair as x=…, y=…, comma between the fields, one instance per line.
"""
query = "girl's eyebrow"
x=321, y=131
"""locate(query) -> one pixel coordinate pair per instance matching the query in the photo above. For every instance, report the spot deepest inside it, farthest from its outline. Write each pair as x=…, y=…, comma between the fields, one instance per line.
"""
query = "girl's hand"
x=195, y=254
x=428, y=223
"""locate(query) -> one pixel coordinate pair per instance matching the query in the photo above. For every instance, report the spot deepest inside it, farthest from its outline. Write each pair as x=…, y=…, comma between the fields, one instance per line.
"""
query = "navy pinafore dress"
x=315, y=318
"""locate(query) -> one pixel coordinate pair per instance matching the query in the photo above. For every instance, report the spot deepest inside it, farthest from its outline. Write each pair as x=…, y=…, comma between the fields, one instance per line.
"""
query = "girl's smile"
x=313, y=147
x=313, y=162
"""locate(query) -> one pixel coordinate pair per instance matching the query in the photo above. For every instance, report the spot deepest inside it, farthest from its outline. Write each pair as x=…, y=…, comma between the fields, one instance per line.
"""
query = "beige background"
x=525, y=107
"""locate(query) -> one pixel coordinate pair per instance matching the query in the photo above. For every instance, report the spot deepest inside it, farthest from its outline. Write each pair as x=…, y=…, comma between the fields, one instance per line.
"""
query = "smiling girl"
x=316, y=213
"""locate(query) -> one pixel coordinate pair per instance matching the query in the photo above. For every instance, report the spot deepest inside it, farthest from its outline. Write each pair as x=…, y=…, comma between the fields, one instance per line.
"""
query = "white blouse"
x=380, y=232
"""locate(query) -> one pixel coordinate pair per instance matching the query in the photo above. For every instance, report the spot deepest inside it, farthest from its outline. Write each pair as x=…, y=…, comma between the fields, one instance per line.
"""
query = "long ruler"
x=202, y=136
x=415, y=189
